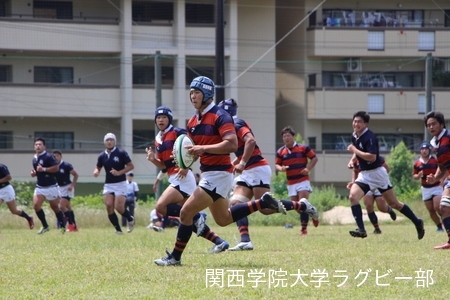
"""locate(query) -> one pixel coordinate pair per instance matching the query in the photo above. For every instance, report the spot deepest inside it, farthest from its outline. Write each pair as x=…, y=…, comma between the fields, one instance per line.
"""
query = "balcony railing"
x=74, y=19
x=381, y=18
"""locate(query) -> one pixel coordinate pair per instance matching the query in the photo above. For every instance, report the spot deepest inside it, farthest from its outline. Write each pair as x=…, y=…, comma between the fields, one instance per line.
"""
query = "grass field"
x=96, y=264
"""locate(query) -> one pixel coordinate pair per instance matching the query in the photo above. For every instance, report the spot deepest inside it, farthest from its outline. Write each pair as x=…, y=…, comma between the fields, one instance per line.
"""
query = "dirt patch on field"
x=343, y=215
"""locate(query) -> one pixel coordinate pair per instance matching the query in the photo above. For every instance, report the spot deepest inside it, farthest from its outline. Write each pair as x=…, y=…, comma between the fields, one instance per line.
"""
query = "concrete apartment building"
x=72, y=71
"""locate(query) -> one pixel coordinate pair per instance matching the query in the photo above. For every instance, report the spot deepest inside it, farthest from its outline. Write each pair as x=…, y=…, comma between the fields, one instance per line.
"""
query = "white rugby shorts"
x=7, y=193
x=220, y=180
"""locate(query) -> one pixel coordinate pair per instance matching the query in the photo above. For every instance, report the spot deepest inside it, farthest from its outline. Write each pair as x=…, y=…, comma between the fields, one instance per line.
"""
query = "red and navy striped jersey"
x=443, y=150
x=428, y=168
x=209, y=129
x=256, y=160
x=165, y=148
x=297, y=159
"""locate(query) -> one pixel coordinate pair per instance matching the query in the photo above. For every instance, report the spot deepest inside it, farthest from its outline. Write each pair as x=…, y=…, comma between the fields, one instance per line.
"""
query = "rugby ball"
x=180, y=154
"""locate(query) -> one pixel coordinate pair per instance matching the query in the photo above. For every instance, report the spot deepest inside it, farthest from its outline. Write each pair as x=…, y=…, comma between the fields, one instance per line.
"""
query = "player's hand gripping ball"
x=180, y=154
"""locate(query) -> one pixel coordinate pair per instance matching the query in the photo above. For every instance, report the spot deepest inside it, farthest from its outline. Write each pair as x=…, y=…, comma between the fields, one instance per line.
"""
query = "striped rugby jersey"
x=207, y=129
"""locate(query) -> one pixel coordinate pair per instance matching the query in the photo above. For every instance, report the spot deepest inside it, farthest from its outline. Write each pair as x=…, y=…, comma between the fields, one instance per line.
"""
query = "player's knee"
x=236, y=199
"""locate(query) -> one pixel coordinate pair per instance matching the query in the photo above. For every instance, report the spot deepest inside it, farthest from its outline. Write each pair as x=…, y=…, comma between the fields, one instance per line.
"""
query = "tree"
x=401, y=162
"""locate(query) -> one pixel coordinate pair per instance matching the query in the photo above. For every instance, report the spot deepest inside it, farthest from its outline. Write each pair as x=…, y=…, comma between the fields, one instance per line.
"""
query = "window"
x=375, y=40
x=312, y=142
x=146, y=75
x=447, y=18
x=56, y=140
x=339, y=141
x=3, y=8
x=6, y=140
x=312, y=80
x=152, y=11
x=143, y=138
x=375, y=104
x=52, y=10
x=313, y=19
x=5, y=73
x=426, y=41
x=197, y=13
x=53, y=74
x=422, y=104
x=199, y=66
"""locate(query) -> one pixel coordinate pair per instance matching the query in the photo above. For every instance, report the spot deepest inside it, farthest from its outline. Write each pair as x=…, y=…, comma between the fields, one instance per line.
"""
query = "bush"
x=24, y=192
x=401, y=162
x=92, y=201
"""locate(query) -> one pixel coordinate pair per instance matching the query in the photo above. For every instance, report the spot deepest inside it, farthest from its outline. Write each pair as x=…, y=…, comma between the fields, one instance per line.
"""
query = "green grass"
x=96, y=264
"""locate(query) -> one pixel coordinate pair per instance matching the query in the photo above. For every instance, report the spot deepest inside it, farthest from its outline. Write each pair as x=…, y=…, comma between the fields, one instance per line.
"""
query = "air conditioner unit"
x=354, y=65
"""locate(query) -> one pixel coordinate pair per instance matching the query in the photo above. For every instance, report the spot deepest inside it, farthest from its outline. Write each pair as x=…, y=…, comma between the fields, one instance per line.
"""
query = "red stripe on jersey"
x=297, y=159
x=443, y=151
x=213, y=126
x=165, y=151
x=427, y=168
x=256, y=159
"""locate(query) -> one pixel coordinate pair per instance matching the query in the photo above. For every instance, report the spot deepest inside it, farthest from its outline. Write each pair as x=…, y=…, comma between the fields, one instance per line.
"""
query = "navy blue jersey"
x=116, y=160
x=367, y=142
x=63, y=175
x=3, y=173
x=46, y=160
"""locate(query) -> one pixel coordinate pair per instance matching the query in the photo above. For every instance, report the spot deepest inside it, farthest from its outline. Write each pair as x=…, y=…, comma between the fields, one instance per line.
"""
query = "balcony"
x=381, y=103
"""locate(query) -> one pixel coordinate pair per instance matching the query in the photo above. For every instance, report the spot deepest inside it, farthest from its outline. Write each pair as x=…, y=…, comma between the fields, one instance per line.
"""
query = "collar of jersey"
x=357, y=137
x=205, y=110
x=42, y=153
x=161, y=133
x=435, y=141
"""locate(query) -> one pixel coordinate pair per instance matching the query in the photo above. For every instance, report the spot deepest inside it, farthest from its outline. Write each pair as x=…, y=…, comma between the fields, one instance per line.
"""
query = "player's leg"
x=357, y=191
x=432, y=212
x=242, y=193
x=54, y=205
x=38, y=199
x=299, y=194
x=304, y=217
x=369, y=200
x=445, y=211
x=108, y=199
x=198, y=201
x=437, y=209
x=8, y=195
x=124, y=220
x=391, y=199
x=384, y=207
x=119, y=205
x=64, y=207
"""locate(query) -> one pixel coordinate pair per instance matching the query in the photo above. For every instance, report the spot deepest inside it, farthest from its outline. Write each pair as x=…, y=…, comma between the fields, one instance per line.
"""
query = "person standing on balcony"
x=66, y=189
x=297, y=160
x=8, y=195
x=44, y=168
x=372, y=176
x=117, y=163
x=435, y=123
